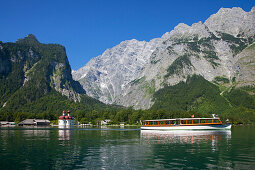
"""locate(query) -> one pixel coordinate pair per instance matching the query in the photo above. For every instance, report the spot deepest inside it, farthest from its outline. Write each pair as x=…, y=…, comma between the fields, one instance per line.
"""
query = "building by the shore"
x=105, y=122
x=6, y=123
x=34, y=122
x=65, y=120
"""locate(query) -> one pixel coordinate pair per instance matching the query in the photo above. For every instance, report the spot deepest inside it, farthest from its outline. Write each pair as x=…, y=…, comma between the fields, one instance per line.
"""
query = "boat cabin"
x=182, y=121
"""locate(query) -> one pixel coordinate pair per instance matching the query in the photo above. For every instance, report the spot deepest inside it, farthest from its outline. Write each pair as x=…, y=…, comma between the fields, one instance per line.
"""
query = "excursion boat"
x=185, y=124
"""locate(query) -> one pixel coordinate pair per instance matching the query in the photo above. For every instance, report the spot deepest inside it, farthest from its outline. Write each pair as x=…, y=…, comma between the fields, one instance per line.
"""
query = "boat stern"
x=228, y=126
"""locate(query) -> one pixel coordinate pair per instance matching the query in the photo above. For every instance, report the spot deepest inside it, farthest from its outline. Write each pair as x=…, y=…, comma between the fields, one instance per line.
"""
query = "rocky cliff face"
x=106, y=76
x=29, y=70
x=220, y=48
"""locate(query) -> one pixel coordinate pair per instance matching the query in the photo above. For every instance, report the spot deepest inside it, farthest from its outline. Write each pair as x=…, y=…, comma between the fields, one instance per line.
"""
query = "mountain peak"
x=181, y=26
x=31, y=36
x=225, y=10
x=30, y=39
x=232, y=21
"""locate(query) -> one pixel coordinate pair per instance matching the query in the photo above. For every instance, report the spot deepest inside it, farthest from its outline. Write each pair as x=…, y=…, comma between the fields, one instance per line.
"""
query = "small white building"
x=3, y=123
x=65, y=120
x=105, y=122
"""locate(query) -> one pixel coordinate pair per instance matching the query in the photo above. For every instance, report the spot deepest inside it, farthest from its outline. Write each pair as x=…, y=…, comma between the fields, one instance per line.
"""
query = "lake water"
x=126, y=148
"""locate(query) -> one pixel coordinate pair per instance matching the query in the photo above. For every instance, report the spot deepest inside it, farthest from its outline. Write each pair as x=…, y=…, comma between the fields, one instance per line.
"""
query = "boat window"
x=189, y=121
x=161, y=122
x=209, y=121
x=178, y=122
x=156, y=123
x=202, y=121
x=150, y=123
x=196, y=121
x=216, y=121
x=167, y=122
x=183, y=121
x=172, y=122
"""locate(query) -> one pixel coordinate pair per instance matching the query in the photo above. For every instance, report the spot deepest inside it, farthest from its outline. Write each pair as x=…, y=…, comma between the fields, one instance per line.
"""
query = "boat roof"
x=182, y=119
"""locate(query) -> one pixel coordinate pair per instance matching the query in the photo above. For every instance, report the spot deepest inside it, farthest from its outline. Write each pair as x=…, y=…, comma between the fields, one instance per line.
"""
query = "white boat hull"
x=191, y=127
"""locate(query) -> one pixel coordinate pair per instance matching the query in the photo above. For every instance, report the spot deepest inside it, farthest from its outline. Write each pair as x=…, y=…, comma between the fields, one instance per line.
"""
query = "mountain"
x=221, y=50
x=36, y=81
x=107, y=75
x=28, y=63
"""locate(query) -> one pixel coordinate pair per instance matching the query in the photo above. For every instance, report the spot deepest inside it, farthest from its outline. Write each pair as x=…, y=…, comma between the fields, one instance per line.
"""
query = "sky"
x=88, y=27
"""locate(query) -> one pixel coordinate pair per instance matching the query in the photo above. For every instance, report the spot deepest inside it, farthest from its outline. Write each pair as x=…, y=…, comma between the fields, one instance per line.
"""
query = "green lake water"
x=126, y=148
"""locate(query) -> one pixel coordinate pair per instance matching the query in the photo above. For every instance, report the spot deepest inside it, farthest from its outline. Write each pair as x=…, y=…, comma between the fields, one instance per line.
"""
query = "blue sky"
x=88, y=27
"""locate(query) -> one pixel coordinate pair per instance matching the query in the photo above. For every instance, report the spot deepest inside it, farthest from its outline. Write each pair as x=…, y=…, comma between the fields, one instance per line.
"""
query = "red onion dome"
x=61, y=117
x=70, y=118
x=68, y=111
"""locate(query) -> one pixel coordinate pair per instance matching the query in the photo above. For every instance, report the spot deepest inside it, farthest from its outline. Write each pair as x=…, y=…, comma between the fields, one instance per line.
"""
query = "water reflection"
x=64, y=133
x=185, y=136
x=45, y=133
